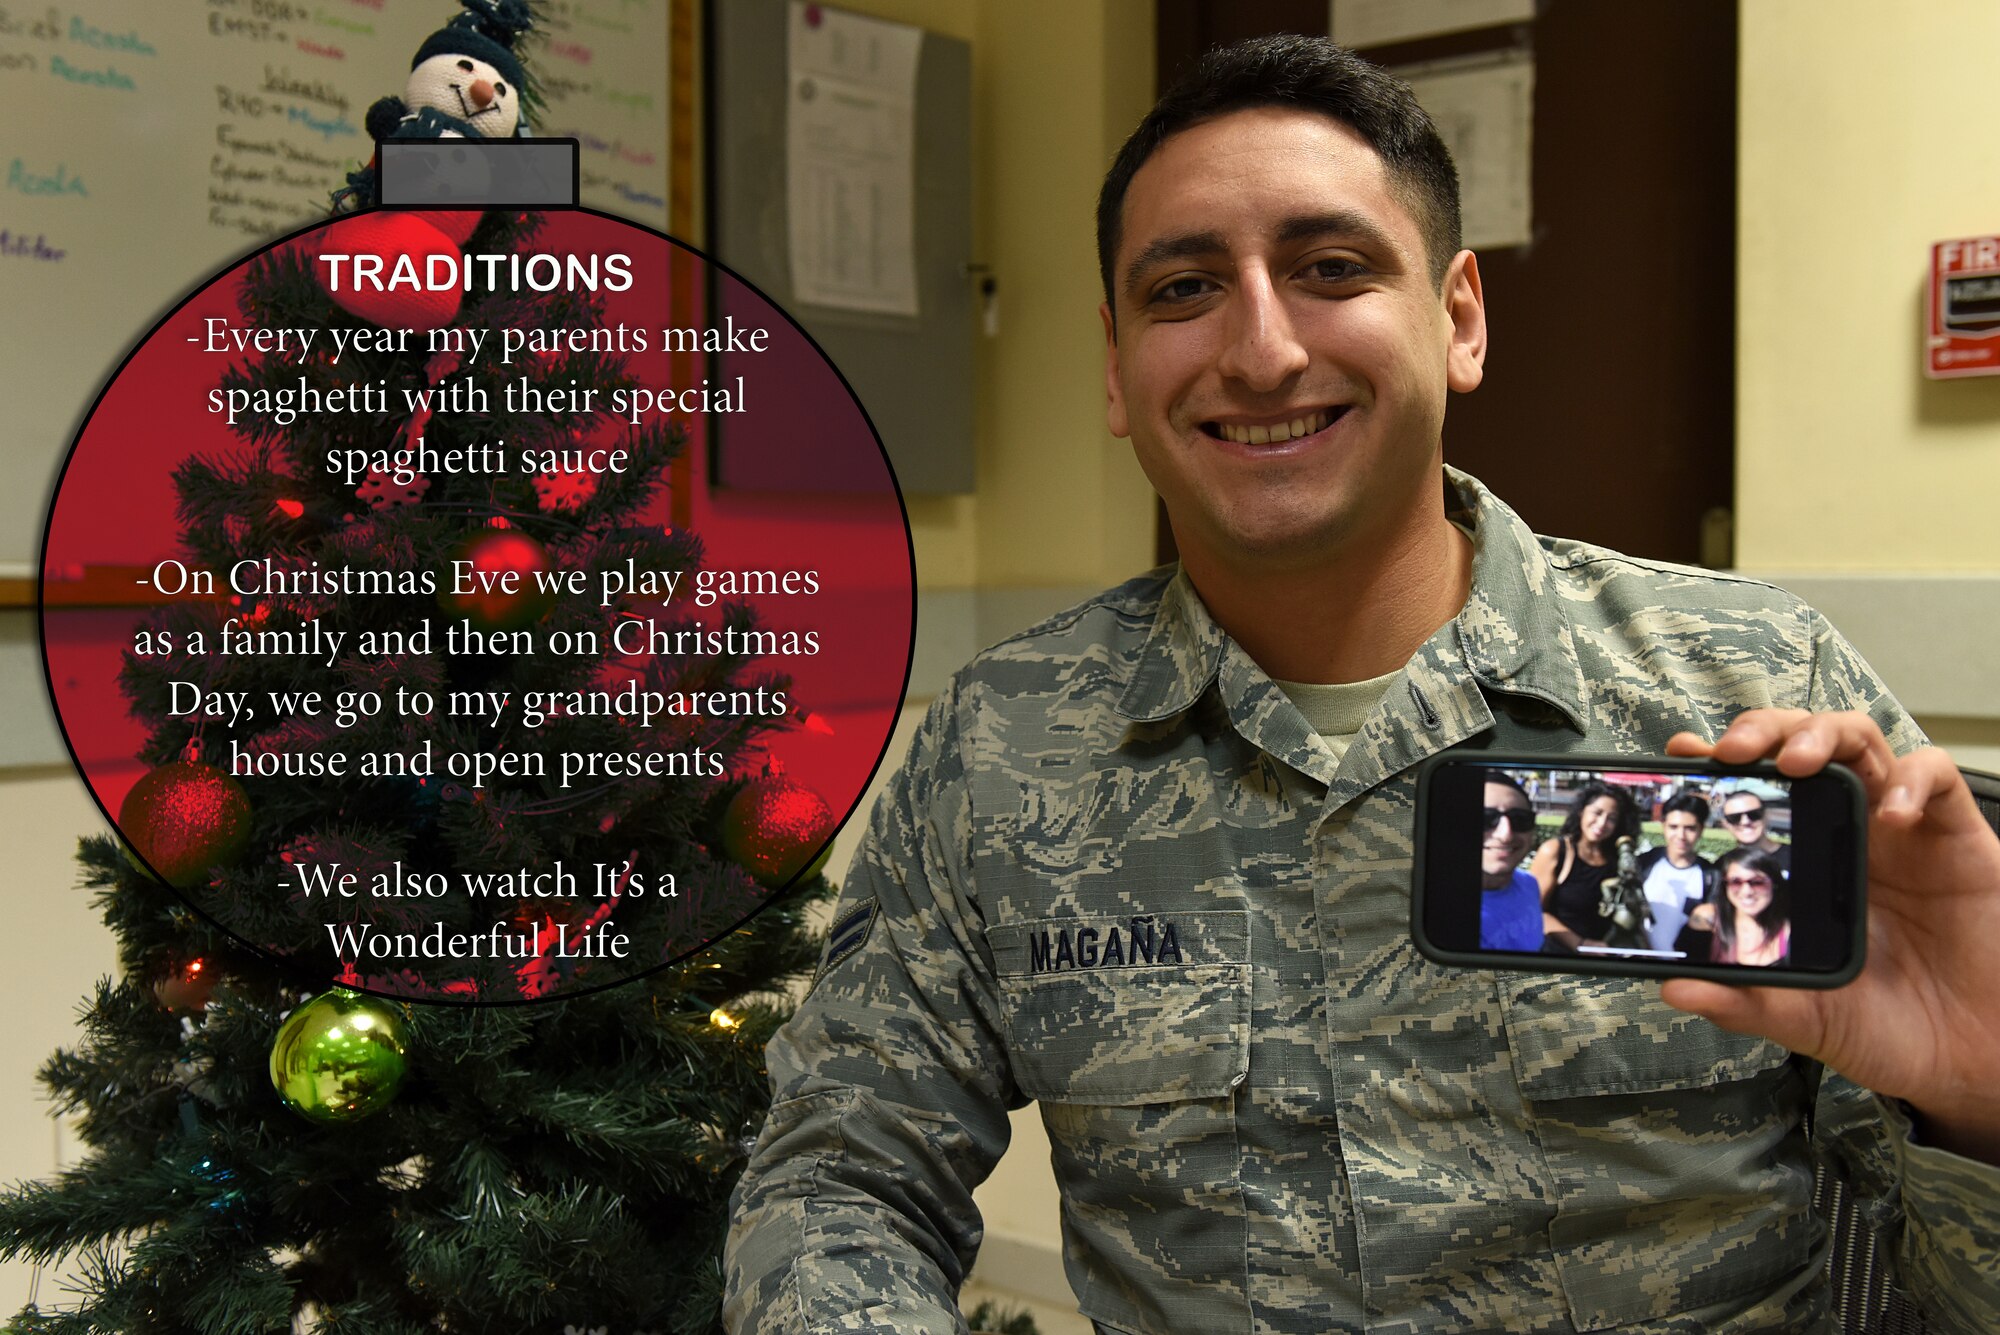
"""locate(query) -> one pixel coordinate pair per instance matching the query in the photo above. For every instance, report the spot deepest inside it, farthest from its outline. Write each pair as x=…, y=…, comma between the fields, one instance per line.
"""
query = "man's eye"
x=1180, y=289
x=1334, y=271
x=465, y=65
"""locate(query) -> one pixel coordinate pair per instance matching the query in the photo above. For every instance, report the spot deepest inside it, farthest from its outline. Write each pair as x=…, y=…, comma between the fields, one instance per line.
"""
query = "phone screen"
x=1653, y=864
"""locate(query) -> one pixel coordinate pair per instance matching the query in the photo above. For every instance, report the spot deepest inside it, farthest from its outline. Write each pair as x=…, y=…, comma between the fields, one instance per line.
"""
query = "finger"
x=1855, y=740
x=1926, y=785
x=1757, y=733
x=1785, y=1016
x=1688, y=744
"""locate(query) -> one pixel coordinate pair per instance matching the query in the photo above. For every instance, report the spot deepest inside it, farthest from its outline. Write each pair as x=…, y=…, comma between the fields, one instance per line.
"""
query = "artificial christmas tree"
x=444, y=1167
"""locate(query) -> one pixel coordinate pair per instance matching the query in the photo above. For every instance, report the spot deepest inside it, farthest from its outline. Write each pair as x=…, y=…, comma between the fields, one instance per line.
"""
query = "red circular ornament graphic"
x=389, y=601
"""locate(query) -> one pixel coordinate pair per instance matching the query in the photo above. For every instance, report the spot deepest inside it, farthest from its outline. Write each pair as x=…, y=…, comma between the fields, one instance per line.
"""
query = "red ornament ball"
x=774, y=827
x=184, y=818
x=186, y=987
x=502, y=592
x=457, y=224
x=403, y=243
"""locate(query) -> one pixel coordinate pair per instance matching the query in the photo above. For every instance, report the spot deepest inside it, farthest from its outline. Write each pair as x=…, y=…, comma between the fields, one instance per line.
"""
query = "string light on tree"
x=186, y=987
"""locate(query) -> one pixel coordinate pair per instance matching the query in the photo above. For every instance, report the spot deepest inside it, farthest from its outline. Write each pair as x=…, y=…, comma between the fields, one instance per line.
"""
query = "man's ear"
x=1465, y=307
x=1114, y=393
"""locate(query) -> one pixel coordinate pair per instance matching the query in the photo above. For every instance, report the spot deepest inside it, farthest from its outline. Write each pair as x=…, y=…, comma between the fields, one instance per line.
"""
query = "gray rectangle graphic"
x=478, y=173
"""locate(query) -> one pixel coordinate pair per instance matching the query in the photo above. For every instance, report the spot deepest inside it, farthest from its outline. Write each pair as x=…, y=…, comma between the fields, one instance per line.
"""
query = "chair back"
x=1865, y=1300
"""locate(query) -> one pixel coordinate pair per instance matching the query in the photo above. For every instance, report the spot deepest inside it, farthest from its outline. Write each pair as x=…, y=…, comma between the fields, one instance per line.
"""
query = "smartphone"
x=1641, y=866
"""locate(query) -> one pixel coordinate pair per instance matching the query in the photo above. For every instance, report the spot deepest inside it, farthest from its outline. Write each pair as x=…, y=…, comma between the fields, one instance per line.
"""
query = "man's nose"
x=1263, y=350
x=482, y=92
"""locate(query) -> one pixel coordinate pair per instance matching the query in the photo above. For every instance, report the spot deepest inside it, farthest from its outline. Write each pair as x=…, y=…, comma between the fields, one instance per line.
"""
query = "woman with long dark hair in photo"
x=1753, y=924
x=1573, y=866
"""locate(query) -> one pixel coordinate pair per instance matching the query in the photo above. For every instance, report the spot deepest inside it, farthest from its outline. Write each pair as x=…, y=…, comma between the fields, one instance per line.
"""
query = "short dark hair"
x=1311, y=74
x=1694, y=804
x=1506, y=780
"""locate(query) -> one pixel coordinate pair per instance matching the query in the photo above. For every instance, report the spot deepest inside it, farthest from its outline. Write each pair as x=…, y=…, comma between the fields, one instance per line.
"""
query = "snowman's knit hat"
x=487, y=30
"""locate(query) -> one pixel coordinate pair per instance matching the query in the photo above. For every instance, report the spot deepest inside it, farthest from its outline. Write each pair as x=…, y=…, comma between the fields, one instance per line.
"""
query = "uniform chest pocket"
x=1127, y=1010
x=1671, y=1150
x=1134, y=1035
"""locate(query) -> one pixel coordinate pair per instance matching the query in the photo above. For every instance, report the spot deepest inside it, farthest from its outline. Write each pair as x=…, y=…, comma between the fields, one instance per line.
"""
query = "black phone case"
x=1735, y=975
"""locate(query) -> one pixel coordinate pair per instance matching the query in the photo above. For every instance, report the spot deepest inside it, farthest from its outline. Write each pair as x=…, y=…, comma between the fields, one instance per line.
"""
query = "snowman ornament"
x=466, y=81
x=452, y=96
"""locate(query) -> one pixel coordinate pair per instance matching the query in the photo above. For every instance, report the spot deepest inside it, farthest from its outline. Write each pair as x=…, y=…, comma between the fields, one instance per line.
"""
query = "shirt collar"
x=1513, y=630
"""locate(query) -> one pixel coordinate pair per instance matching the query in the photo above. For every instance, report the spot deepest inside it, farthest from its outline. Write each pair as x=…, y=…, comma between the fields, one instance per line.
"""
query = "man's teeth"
x=1274, y=435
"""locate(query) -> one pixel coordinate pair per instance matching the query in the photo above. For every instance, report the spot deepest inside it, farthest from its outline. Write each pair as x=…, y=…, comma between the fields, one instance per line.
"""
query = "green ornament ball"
x=339, y=1057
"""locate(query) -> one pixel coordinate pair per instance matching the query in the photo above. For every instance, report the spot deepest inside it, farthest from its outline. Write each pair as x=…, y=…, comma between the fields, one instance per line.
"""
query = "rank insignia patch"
x=849, y=932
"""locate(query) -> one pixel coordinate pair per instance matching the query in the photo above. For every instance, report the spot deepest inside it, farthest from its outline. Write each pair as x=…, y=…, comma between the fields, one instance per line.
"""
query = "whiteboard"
x=146, y=145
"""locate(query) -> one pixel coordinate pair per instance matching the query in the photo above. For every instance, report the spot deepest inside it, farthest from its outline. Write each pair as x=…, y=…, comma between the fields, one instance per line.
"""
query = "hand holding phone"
x=1637, y=865
x=1922, y=1022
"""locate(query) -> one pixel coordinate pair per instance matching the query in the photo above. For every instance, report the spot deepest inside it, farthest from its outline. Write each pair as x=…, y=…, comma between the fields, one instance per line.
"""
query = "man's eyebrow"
x=1338, y=223
x=1167, y=249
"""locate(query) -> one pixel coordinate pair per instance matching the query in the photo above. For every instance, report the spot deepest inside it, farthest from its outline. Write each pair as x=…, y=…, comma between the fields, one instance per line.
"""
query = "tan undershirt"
x=1338, y=709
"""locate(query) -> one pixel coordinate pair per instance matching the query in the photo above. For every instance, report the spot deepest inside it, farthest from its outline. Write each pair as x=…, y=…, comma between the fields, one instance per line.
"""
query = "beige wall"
x=60, y=949
x=1056, y=87
x=1059, y=502
x=1866, y=135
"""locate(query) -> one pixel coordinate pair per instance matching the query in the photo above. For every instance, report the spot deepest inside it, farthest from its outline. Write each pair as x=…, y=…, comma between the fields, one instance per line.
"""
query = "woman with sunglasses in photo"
x=1753, y=924
x=1572, y=867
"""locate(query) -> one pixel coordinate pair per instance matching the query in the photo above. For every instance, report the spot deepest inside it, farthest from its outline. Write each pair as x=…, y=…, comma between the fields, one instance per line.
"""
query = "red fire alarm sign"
x=1964, y=308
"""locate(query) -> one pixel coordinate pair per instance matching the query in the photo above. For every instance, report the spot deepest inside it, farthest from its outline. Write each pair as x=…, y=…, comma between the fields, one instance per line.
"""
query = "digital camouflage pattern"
x=1291, y=1121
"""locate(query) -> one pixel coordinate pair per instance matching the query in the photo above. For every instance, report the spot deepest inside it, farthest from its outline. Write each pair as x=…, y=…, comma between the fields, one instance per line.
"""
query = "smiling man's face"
x=1744, y=815
x=1681, y=833
x=1280, y=355
x=1509, y=829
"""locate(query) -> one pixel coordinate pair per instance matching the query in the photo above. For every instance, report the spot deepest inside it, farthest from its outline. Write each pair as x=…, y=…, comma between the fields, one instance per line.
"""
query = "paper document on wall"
x=850, y=145
x=1361, y=23
x=1485, y=110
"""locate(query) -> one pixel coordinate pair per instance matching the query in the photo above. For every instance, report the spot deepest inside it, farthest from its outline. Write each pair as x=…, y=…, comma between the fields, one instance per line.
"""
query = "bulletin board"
x=912, y=372
x=146, y=145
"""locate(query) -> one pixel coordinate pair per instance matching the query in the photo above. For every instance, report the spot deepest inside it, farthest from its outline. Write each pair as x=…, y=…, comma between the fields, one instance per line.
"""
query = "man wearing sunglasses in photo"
x=1745, y=816
x=1510, y=900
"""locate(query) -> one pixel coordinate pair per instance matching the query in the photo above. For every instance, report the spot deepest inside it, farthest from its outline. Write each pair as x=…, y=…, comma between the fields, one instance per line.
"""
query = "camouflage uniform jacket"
x=1118, y=875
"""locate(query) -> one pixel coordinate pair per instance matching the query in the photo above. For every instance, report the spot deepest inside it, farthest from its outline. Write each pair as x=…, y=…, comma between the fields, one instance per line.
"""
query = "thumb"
x=1786, y=1016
